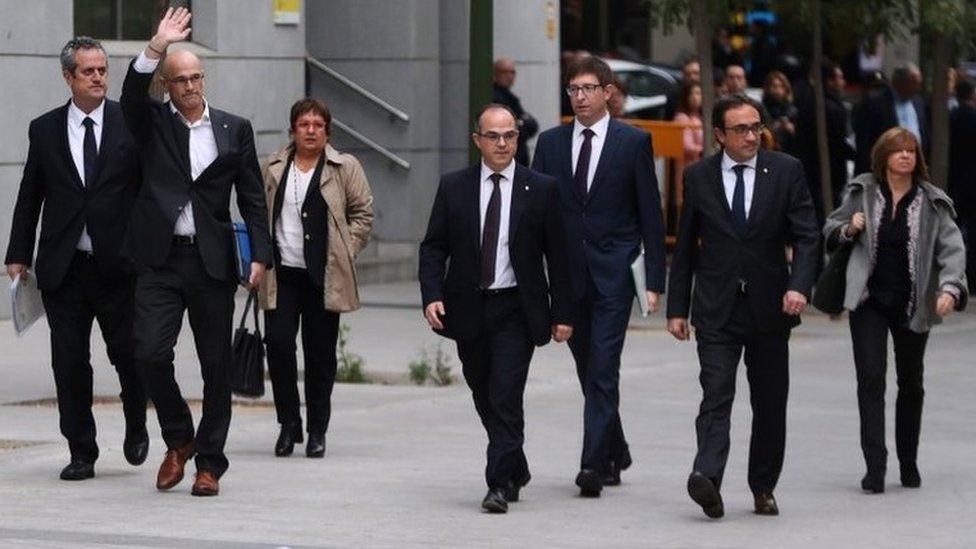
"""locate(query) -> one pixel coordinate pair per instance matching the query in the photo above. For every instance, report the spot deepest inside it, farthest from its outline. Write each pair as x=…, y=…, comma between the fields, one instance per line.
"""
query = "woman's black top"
x=890, y=284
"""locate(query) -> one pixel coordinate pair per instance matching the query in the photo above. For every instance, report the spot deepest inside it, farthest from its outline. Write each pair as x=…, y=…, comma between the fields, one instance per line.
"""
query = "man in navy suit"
x=82, y=173
x=610, y=206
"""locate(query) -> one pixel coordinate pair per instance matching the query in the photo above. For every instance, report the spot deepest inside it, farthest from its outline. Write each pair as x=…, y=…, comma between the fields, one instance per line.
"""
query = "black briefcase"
x=828, y=294
x=247, y=367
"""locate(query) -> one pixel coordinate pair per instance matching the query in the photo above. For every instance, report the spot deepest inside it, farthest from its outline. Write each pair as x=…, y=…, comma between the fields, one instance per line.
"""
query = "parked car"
x=648, y=87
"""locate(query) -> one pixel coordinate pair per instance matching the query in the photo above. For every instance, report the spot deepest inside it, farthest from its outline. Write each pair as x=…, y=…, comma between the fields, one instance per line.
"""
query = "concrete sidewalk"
x=404, y=465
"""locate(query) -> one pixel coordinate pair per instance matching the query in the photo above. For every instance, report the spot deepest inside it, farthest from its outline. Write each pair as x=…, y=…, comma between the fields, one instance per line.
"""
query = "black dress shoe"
x=704, y=492
x=766, y=504
x=613, y=477
x=590, y=483
x=316, y=445
x=289, y=435
x=136, y=447
x=873, y=482
x=910, y=477
x=511, y=491
x=78, y=469
x=494, y=501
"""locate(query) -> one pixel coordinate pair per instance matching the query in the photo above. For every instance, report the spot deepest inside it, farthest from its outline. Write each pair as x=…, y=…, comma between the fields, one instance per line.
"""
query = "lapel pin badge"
x=765, y=170
x=526, y=187
x=225, y=126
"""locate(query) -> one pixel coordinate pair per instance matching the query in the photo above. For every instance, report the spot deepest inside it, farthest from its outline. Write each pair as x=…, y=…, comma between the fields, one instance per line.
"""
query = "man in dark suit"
x=962, y=169
x=900, y=104
x=610, y=205
x=501, y=93
x=83, y=172
x=493, y=234
x=181, y=238
x=742, y=208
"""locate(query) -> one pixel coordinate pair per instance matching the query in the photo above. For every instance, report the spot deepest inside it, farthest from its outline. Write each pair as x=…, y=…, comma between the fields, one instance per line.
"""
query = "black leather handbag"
x=828, y=294
x=247, y=366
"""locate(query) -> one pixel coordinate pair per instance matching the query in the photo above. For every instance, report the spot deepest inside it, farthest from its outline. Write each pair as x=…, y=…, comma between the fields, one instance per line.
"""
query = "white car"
x=648, y=87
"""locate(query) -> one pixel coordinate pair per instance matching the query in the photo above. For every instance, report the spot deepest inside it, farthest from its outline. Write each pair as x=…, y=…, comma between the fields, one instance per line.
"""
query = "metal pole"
x=481, y=54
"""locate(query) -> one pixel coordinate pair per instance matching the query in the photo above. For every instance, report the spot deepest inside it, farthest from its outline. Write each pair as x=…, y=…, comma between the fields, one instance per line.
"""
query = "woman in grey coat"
x=907, y=270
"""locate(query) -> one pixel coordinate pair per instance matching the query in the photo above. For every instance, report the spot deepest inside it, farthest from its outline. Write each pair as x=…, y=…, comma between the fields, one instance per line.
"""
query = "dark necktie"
x=739, y=199
x=489, y=236
x=583, y=163
x=90, y=151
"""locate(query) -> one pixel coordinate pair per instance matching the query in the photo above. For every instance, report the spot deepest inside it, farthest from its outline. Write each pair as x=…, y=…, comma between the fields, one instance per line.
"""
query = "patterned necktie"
x=583, y=163
x=739, y=199
x=489, y=236
x=90, y=151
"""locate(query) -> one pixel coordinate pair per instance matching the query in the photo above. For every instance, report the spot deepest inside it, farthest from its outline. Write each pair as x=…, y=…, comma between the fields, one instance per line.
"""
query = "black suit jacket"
x=622, y=209
x=962, y=159
x=163, y=142
x=712, y=254
x=450, y=254
x=875, y=115
x=51, y=184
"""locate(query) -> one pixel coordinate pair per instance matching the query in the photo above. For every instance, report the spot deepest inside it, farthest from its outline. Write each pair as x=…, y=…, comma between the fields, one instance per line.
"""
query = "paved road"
x=404, y=464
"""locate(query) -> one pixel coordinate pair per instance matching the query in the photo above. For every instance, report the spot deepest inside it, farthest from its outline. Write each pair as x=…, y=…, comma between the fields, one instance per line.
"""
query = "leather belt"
x=184, y=240
x=486, y=292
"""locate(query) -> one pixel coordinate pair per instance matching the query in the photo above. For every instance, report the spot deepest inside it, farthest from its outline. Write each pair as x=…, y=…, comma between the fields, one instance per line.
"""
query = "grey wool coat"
x=937, y=254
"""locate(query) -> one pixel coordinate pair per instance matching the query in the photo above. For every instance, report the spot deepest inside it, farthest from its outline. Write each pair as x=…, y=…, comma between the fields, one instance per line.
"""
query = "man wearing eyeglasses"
x=743, y=206
x=181, y=236
x=610, y=207
x=493, y=277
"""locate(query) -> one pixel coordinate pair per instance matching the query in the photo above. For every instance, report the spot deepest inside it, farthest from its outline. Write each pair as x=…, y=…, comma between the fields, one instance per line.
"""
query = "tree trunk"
x=701, y=24
x=939, y=155
x=823, y=152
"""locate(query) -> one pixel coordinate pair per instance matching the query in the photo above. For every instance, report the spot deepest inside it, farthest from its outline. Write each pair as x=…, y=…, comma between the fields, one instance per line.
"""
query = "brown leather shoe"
x=766, y=504
x=171, y=471
x=206, y=484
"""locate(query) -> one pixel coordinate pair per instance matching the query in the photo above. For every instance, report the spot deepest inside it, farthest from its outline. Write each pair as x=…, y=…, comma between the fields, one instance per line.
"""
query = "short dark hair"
x=476, y=125
x=734, y=101
x=828, y=69
x=68, y=61
x=590, y=65
x=964, y=88
x=307, y=105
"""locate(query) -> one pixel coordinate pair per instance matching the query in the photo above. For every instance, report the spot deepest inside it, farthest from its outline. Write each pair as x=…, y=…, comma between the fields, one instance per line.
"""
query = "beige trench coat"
x=350, y=200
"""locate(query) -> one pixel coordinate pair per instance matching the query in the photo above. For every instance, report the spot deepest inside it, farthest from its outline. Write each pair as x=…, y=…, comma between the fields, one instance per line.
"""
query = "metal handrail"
x=357, y=88
x=372, y=144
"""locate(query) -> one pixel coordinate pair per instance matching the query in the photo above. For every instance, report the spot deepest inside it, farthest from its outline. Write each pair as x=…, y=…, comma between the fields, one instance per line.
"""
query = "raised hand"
x=172, y=28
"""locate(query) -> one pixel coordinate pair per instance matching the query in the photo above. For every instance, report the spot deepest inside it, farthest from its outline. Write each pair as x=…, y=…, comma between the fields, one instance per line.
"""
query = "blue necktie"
x=89, y=151
x=739, y=200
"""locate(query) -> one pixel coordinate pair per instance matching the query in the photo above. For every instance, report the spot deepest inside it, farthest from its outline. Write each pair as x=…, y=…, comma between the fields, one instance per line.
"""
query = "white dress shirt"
x=599, y=128
x=504, y=274
x=907, y=117
x=203, y=147
x=76, y=142
x=289, y=231
x=748, y=176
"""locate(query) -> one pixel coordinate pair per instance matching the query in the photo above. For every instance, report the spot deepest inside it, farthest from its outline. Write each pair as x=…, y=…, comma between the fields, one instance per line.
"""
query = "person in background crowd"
x=618, y=99
x=690, y=73
x=906, y=271
x=320, y=210
x=962, y=169
x=501, y=93
x=735, y=80
x=898, y=104
x=690, y=112
x=953, y=77
x=723, y=54
x=778, y=100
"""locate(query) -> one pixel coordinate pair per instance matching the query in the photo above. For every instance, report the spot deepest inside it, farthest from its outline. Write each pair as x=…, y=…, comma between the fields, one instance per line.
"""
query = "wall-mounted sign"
x=551, y=20
x=287, y=12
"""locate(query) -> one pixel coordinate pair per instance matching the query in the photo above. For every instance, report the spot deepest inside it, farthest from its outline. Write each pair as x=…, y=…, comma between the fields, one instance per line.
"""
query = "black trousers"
x=767, y=369
x=83, y=297
x=495, y=367
x=597, y=342
x=162, y=295
x=301, y=300
x=869, y=334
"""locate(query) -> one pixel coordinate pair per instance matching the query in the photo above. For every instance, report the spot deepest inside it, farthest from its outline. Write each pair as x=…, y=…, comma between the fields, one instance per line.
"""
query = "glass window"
x=644, y=84
x=120, y=19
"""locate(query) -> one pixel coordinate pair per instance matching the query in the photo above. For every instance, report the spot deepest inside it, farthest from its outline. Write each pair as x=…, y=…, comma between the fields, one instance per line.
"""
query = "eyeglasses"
x=495, y=136
x=587, y=89
x=184, y=80
x=743, y=129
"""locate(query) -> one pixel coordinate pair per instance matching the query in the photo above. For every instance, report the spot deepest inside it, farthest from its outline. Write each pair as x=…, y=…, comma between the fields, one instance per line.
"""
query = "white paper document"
x=25, y=300
x=640, y=283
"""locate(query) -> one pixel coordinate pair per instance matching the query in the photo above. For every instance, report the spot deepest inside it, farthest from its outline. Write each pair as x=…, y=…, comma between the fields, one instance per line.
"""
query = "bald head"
x=183, y=79
x=504, y=72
